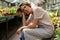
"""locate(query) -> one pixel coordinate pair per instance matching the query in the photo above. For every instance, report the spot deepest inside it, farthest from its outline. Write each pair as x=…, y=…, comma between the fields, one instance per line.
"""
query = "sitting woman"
x=38, y=25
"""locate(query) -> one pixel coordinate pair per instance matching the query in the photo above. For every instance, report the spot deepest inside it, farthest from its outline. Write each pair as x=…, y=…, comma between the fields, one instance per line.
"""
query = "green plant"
x=57, y=34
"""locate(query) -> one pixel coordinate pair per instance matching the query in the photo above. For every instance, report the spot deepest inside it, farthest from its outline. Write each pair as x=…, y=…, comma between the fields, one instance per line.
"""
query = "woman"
x=38, y=25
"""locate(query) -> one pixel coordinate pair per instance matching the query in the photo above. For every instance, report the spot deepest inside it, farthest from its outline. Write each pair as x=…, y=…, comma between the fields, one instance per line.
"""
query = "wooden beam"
x=5, y=1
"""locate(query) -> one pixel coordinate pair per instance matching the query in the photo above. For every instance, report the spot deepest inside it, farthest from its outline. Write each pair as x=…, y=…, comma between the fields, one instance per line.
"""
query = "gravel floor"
x=15, y=37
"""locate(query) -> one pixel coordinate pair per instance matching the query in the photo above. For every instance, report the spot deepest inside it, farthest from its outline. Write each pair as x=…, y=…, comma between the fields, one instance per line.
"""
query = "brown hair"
x=22, y=4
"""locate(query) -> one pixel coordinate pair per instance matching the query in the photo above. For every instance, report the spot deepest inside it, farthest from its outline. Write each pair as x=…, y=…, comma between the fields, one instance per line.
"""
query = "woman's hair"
x=22, y=4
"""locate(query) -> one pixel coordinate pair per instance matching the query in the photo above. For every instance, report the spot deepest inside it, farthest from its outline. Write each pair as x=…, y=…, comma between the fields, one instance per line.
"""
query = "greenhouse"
x=29, y=19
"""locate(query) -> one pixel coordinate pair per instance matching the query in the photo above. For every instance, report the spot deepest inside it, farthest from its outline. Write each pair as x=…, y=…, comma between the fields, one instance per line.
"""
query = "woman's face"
x=26, y=9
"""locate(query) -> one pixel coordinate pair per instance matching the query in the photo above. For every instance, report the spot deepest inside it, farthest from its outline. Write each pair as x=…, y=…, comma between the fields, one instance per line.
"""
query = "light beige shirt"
x=42, y=15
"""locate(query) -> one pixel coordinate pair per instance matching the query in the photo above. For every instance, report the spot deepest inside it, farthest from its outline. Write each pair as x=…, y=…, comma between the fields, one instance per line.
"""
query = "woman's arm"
x=33, y=24
x=24, y=20
x=30, y=18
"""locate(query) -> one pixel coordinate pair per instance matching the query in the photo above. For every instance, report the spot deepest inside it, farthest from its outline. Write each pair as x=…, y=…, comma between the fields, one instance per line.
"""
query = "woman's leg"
x=37, y=33
x=22, y=36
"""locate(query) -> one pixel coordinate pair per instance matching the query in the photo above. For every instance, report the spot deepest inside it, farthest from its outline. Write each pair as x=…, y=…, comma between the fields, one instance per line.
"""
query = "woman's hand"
x=19, y=30
x=23, y=13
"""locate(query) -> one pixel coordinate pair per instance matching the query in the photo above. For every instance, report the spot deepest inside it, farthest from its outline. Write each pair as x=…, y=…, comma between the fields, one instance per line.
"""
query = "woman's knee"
x=25, y=30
